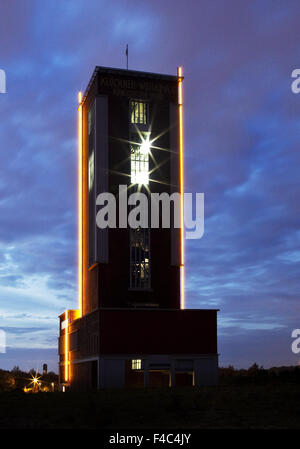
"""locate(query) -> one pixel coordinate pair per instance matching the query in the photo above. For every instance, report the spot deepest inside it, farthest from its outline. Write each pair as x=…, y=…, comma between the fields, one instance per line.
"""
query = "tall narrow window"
x=91, y=170
x=140, y=258
x=139, y=112
x=90, y=115
x=139, y=149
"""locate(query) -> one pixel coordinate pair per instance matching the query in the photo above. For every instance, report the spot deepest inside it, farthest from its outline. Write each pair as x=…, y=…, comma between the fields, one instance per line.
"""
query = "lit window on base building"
x=140, y=258
x=136, y=364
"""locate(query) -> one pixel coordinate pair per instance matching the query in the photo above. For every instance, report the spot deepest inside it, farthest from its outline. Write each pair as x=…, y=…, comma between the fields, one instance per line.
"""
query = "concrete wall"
x=112, y=372
x=206, y=371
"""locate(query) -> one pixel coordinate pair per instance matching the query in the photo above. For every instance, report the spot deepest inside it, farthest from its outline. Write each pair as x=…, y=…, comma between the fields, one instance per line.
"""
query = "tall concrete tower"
x=132, y=327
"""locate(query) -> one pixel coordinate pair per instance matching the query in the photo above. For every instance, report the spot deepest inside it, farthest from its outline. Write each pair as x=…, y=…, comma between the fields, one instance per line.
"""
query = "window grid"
x=140, y=258
x=139, y=160
x=139, y=165
x=139, y=112
x=136, y=364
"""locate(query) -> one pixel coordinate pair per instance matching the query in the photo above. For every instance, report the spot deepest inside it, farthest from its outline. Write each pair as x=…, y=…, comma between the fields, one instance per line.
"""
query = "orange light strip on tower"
x=180, y=78
x=80, y=200
x=66, y=347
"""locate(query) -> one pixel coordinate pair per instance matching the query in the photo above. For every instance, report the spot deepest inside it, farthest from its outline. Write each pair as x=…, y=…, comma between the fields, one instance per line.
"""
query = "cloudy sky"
x=242, y=138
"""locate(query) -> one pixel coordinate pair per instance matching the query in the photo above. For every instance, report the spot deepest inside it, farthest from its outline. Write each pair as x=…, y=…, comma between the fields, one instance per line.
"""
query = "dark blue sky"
x=242, y=136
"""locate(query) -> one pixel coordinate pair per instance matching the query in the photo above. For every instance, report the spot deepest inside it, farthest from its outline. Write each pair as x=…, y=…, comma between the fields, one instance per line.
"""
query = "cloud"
x=22, y=330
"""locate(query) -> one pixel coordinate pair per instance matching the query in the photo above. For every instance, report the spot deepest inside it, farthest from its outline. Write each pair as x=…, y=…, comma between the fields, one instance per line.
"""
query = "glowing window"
x=136, y=364
x=140, y=149
x=64, y=324
x=139, y=112
x=91, y=170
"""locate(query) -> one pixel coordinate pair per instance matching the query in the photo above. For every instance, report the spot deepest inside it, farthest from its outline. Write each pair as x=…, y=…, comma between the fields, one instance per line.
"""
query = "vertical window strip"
x=140, y=258
x=139, y=112
x=139, y=166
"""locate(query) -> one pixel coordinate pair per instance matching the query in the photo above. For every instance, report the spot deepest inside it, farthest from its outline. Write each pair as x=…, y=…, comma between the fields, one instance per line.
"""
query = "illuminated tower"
x=132, y=327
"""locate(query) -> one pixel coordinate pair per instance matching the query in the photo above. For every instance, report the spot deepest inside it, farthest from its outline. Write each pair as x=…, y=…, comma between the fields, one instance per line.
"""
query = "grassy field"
x=224, y=406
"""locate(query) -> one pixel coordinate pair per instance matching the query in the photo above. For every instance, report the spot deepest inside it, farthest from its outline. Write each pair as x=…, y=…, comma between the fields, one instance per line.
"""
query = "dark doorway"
x=184, y=379
x=158, y=379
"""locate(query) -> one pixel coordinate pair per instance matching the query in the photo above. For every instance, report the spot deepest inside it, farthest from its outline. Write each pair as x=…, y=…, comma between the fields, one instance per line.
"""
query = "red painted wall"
x=158, y=331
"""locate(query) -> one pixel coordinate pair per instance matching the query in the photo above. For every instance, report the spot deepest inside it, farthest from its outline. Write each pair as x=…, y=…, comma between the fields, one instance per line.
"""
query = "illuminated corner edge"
x=78, y=313
x=80, y=206
x=69, y=316
x=66, y=346
x=182, y=289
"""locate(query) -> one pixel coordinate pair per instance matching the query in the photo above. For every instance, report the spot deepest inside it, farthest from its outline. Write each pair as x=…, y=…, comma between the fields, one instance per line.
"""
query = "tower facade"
x=132, y=327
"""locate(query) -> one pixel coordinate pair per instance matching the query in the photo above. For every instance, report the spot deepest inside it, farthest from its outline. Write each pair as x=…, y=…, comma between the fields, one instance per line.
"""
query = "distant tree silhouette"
x=16, y=369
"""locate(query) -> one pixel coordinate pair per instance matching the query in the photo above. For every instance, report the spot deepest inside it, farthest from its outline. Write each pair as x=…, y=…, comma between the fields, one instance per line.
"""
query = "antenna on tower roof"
x=127, y=56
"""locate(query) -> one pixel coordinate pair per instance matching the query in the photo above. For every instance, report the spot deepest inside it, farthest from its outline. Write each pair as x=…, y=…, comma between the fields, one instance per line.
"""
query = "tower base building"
x=140, y=347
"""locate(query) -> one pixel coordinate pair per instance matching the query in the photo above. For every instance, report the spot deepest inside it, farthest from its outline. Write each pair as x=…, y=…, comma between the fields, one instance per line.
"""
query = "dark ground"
x=229, y=405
